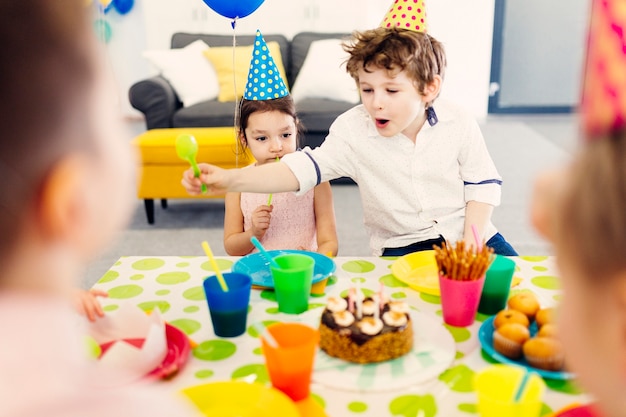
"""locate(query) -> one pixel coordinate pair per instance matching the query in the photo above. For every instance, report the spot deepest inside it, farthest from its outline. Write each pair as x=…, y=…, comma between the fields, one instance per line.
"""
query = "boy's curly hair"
x=395, y=50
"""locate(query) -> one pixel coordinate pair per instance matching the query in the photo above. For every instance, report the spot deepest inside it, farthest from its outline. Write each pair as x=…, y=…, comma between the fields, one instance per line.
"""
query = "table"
x=174, y=285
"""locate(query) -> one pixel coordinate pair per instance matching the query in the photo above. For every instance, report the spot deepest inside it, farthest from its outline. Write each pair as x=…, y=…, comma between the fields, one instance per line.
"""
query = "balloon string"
x=236, y=117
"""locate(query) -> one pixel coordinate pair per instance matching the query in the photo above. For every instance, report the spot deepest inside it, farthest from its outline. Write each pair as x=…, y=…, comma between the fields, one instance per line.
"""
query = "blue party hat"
x=264, y=80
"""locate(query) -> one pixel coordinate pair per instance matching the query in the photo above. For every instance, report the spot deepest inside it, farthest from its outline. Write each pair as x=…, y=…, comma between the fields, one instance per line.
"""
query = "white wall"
x=465, y=28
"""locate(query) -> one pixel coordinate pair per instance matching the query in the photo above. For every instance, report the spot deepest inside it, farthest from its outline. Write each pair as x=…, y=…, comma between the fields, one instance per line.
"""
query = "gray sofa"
x=157, y=100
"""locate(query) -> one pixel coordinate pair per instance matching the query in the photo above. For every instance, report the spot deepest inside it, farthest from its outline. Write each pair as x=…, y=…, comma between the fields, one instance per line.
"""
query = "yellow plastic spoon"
x=187, y=149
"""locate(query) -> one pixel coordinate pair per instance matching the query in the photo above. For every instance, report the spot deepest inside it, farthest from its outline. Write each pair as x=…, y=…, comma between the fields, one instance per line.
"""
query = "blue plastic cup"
x=228, y=309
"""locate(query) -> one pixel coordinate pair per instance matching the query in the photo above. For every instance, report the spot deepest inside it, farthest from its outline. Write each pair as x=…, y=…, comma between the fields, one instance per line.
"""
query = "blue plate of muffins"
x=485, y=336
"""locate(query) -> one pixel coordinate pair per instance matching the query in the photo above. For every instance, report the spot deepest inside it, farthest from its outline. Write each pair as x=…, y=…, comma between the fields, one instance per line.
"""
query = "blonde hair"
x=393, y=49
x=590, y=223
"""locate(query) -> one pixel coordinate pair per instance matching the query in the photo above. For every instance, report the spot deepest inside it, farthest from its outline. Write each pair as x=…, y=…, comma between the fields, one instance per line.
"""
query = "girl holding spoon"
x=269, y=127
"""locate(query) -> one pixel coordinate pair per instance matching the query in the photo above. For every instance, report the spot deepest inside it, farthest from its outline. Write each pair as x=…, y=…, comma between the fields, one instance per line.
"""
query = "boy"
x=66, y=189
x=420, y=183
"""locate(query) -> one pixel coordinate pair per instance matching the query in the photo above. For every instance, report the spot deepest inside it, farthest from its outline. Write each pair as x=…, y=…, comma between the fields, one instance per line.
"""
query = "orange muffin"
x=509, y=338
x=544, y=316
x=544, y=353
x=547, y=330
x=526, y=303
x=510, y=316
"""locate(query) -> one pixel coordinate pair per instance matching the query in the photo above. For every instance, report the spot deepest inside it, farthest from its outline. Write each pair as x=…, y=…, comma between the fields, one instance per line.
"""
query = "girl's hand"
x=261, y=217
x=87, y=304
x=214, y=178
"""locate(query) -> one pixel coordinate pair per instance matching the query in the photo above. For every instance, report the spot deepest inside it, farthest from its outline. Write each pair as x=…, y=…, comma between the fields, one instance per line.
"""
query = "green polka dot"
x=254, y=333
x=429, y=298
x=391, y=281
x=110, y=307
x=547, y=282
x=191, y=309
x=268, y=295
x=557, y=297
x=272, y=310
x=359, y=279
x=222, y=264
x=358, y=266
x=214, y=350
x=564, y=386
x=109, y=276
x=162, y=292
x=257, y=351
x=514, y=292
x=357, y=407
x=458, y=378
x=194, y=294
x=162, y=305
x=316, y=305
x=204, y=373
x=182, y=264
x=480, y=317
x=186, y=325
x=125, y=291
x=118, y=263
x=318, y=400
x=468, y=408
x=413, y=406
x=459, y=355
x=534, y=258
x=366, y=292
x=172, y=278
x=148, y=264
x=460, y=334
x=540, y=268
x=398, y=294
x=545, y=410
x=137, y=277
x=252, y=373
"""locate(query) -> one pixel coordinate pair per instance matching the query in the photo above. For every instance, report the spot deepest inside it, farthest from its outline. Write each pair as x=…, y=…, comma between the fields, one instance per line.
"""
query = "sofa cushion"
x=324, y=75
x=207, y=113
x=300, y=47
x=318, y=114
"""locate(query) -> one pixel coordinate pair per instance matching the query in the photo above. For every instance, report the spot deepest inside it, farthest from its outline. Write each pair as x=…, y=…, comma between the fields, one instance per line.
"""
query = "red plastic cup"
x=291, y=363
x=459, y=300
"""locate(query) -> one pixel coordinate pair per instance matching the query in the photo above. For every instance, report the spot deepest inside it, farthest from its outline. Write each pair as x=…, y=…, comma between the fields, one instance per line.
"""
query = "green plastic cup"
x=497, y=285
x=292, y=282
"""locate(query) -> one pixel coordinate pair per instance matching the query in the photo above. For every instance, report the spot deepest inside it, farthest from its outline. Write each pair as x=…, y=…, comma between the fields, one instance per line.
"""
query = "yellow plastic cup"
x=496, y=387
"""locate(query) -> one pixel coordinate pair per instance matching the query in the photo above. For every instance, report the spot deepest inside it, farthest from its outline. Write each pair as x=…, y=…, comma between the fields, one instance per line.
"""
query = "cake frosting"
x=366, y=331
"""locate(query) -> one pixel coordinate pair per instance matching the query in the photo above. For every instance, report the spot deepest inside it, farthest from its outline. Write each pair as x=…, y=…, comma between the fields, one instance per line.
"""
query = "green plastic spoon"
x=187, y=149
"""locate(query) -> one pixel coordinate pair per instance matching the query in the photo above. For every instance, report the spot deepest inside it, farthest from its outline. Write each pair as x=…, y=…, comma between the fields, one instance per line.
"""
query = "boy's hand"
x=214, y=178
x=261, y=217
x=87, y=304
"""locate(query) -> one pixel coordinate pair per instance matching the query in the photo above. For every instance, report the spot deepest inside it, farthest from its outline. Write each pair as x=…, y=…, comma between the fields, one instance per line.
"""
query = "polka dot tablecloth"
x=174, y=286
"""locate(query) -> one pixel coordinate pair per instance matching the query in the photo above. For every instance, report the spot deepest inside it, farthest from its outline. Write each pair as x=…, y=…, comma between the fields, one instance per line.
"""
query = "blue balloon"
x=234, y=8
x=123, y=6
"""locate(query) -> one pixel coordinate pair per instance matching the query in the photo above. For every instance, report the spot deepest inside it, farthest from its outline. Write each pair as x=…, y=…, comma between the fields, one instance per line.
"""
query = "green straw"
x=218, y=273
x=269, y=199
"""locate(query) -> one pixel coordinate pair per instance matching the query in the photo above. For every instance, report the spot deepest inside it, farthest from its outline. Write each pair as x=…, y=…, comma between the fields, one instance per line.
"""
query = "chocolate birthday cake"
x=368, y=332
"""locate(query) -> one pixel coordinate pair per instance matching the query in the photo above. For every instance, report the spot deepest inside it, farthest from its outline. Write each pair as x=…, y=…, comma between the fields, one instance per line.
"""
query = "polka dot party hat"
x=264, y=80
x=406, y=14
x=603, y=107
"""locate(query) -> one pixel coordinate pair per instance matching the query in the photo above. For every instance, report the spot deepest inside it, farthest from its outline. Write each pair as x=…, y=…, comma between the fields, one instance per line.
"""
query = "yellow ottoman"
x=161, y=170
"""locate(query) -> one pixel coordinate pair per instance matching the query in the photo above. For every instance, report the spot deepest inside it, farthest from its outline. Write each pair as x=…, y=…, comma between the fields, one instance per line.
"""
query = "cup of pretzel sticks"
x=461, y=278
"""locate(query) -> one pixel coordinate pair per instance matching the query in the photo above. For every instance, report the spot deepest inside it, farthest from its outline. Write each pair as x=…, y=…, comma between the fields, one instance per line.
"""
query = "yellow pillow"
x=222, y=60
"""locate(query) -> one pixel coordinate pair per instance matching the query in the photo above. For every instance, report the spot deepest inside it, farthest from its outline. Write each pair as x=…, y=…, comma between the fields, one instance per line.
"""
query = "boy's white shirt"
x=409, y=191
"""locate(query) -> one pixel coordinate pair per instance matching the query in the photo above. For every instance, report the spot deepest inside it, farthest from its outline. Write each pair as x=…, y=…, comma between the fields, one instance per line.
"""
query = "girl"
x=270, y=129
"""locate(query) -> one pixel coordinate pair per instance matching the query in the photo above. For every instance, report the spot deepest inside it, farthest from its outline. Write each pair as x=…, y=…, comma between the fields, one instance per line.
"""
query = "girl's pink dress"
x=292, y=225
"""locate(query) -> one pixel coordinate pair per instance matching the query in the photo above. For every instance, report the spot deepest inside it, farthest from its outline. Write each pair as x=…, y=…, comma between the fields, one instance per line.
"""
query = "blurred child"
x=66, y=189
x=582, y=210
x=420, y=183
x=269, y=128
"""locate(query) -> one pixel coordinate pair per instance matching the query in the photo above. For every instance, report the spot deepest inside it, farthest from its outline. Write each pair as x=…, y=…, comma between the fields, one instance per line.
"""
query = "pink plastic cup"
x=459, y=300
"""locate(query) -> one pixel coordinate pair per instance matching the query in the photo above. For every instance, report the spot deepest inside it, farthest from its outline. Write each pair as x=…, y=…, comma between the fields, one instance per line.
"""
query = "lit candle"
x=351, y=299
x=377, y=304
x=381, y=296
x=359, y=301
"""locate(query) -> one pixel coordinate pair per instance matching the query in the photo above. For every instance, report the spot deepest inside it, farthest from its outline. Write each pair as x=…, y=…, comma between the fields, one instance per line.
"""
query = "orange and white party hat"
x=264, y=80
x=406, y=14
x=603, y=106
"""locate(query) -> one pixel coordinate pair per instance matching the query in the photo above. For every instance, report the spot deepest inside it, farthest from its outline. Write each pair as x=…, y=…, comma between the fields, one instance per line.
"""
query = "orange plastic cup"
x=291, y=363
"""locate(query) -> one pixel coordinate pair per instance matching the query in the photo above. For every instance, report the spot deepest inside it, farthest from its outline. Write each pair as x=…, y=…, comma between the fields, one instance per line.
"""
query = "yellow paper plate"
x=240, y=399
x=419, y=271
